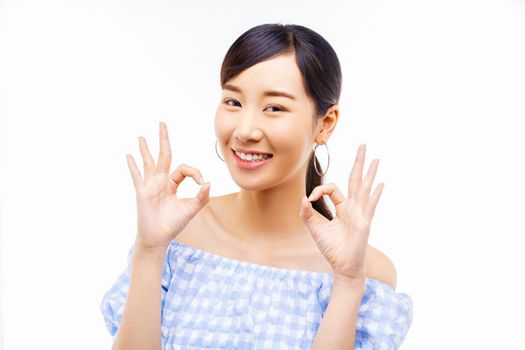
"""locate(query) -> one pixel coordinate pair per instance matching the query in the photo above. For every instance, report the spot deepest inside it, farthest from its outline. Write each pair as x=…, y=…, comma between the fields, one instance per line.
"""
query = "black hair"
x=317, y=61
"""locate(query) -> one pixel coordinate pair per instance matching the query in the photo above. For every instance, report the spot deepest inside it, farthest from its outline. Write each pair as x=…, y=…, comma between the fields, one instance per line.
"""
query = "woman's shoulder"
x=380, y=267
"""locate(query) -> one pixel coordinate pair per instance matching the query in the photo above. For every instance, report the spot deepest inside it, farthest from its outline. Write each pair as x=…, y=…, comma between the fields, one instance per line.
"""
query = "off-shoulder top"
x=209, y=301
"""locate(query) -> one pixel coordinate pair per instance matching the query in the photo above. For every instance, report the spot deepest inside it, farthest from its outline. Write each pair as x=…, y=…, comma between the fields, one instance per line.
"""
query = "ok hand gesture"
x=160, y=214
x=344, y=240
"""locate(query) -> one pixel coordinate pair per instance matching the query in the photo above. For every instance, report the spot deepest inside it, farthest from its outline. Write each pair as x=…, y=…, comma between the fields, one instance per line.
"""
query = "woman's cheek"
x=224, y=127
x=286, y=137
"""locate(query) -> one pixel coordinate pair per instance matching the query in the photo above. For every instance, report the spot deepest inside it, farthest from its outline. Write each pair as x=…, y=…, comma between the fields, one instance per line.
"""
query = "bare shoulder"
x=380, y=267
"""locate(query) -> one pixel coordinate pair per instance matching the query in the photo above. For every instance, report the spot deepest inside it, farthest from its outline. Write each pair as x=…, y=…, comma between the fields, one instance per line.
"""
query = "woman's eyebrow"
x=266, y=93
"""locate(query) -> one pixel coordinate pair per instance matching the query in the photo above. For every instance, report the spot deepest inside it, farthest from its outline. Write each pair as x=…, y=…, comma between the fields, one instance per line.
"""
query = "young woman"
x=270, y=266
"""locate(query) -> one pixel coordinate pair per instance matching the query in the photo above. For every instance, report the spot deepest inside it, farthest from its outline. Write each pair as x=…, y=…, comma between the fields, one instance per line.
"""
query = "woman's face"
x=251, y=116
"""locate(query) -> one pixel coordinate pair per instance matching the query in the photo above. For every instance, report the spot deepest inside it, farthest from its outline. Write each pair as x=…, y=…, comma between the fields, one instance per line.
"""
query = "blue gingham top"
x=209, y=301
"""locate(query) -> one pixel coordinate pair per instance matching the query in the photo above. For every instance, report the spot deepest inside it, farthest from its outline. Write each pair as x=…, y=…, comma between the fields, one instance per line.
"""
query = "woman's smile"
x=250, y=162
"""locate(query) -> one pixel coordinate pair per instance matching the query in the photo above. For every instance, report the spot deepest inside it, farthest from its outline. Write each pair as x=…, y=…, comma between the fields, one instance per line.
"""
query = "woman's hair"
x=317, y=61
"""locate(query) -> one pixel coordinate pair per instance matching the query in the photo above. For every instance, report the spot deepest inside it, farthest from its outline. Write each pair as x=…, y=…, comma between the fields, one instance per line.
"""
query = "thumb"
x=307, y=214
x=204, y=193
x=202, y=197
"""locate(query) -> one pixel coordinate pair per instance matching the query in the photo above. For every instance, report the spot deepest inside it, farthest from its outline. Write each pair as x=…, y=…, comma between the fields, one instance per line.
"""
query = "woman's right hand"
x=160, y=214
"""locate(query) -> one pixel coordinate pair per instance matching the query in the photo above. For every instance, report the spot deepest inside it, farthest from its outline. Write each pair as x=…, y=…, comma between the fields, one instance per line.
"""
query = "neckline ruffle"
x=277, y=271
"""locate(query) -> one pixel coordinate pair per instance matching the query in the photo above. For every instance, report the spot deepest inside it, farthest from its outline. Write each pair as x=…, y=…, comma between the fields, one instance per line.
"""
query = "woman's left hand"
x=344, y=240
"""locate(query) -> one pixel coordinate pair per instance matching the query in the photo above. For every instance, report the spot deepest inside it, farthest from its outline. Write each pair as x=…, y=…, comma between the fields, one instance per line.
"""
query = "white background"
x=435, y=88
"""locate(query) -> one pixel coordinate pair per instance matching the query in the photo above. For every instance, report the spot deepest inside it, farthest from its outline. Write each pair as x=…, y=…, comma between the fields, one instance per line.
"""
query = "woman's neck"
x=270, y=215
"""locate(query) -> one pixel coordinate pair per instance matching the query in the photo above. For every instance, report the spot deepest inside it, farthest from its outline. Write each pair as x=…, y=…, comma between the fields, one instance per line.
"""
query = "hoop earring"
x=315, y=165
x=216, y=141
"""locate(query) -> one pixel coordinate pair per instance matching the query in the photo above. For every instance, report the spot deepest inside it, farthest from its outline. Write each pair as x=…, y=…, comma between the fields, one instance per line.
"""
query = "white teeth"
x=252, y=157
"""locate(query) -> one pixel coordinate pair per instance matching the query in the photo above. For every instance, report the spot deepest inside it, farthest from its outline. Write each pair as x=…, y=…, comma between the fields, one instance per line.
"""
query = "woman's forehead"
x=277, y=76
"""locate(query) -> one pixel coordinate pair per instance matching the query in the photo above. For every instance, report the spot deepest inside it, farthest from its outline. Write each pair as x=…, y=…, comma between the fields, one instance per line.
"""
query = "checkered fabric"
x=209, y=301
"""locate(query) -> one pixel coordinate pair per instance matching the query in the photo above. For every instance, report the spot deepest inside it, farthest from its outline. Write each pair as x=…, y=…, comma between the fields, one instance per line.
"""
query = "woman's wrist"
x=345, y=283
x=148, y=254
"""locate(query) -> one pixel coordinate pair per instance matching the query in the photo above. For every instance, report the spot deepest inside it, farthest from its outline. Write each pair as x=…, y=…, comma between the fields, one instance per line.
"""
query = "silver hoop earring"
x=315, y=165
x=216, y=141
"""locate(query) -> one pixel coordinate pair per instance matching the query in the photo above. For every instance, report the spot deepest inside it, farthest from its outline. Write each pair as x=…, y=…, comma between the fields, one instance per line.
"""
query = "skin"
x=271, y=212
x=271, y=196
x=271, y=209
x=269, y=200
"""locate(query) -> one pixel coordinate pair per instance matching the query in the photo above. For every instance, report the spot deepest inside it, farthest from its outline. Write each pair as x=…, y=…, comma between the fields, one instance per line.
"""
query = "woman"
x=266, y=267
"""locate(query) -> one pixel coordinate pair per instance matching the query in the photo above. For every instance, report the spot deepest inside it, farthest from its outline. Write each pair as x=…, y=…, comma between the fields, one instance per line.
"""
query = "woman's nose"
x=248, y=128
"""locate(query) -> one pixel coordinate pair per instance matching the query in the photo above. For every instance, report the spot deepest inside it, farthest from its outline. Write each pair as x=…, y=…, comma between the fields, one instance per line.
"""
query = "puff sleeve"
x=113, y=300
x=384, y=318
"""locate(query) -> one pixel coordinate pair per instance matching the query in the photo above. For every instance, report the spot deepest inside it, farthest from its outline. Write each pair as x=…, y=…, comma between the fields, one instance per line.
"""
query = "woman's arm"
x=141, y=318
x=338, y=325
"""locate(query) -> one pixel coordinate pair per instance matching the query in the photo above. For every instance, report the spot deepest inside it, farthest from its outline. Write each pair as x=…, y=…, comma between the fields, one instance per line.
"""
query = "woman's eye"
x=279, y=109
x=230, y=100
x=234, y=103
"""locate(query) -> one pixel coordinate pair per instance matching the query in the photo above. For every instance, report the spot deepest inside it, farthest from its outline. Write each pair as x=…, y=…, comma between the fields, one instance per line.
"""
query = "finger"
x=134, y=170
x=203, y=195
x=328, y=189
x=331, y=190
x=354, y=181
x=364, y=191
x=149, y=164
x=307, y=214
x=371, y=208
x=164, y=161
x=200, y=199
x=182, y=171
x=306, y=211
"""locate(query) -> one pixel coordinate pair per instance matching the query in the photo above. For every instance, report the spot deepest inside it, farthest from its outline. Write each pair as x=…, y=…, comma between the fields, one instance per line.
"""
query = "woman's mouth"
x=250, y=161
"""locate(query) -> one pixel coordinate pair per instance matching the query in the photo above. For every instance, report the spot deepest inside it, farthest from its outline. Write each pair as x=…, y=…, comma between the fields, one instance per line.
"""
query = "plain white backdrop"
x=435, y=88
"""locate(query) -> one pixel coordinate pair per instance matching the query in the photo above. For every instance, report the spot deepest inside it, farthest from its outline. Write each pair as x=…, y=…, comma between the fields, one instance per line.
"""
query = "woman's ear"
x=326, y=124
